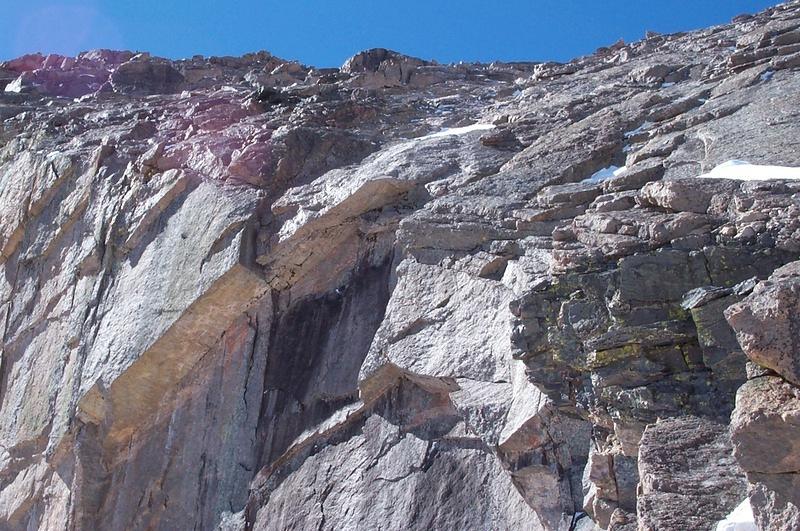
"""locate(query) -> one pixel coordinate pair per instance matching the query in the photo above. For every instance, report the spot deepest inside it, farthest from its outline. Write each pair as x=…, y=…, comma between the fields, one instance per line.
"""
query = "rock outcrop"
x=765, y=424
x=689, y=478
x=245, y=293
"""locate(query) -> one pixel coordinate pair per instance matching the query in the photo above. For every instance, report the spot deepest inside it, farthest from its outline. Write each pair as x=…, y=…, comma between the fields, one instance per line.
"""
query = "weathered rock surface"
x=689, y=477
x=764, y=323
x=766, y=422
x=245, y=293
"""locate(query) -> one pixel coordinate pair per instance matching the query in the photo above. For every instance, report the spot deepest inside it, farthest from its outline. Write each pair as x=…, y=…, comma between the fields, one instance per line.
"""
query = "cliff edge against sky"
x=242, y=293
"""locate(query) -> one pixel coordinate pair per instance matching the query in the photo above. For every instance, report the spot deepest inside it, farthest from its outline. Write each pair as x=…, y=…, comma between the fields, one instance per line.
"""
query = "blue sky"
x=326, y=32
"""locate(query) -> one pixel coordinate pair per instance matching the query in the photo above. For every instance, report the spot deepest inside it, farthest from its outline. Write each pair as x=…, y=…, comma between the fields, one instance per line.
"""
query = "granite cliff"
x=243, y=293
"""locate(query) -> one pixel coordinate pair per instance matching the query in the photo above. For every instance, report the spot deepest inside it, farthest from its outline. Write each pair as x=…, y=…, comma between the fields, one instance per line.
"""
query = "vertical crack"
x=251, y=359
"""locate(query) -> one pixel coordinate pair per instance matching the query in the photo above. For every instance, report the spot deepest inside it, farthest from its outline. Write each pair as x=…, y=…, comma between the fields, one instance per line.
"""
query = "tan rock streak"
x=137, y=392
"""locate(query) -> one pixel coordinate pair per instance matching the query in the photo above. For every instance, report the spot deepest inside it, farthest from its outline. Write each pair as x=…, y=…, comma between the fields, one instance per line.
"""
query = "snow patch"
x=458, y=131
x=15, y=86
x=744, y=171
x=604, y=174
x=667, y=84
x=740, y=519
x=641, y=129
x=766, y=76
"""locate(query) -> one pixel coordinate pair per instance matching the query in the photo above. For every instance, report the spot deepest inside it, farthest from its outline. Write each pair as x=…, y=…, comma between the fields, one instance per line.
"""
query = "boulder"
x=765, y=327
x=765, y=426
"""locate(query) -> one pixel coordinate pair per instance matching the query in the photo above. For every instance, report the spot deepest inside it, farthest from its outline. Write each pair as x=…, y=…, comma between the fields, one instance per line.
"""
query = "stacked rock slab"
x=245, y=293
x=765, y=425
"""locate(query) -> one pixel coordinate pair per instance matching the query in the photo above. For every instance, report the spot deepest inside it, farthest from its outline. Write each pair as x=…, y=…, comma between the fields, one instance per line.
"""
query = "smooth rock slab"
x=462, y=323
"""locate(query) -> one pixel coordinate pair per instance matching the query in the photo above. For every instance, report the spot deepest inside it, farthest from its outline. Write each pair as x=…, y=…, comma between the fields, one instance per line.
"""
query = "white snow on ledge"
x=740, y=519
x=641, y=129
x=604, y=174
x=458, y=131
x=744, y=171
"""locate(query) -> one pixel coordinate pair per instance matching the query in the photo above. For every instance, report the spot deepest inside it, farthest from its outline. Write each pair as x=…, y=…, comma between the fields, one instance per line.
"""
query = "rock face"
x=765, y=424
x=244, y=293
x=689, y=478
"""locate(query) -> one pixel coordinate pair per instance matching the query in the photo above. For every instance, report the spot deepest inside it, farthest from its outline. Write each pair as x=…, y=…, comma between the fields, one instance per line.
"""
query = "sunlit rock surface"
x=245, y=293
